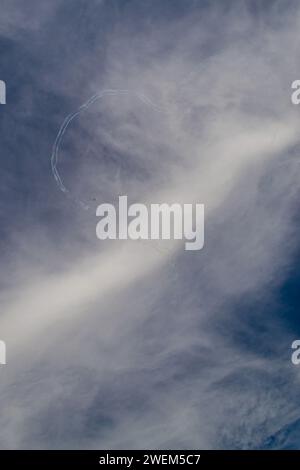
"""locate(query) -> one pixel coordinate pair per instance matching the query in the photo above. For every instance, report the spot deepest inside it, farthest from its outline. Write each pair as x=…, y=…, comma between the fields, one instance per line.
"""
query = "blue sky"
x=136, y=345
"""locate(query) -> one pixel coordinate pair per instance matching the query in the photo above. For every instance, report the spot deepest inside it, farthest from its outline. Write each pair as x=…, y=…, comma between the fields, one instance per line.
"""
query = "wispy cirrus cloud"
x=124, y=345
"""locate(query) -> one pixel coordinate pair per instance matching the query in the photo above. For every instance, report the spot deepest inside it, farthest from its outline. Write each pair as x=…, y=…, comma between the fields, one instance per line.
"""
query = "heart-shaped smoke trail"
x=59, y=138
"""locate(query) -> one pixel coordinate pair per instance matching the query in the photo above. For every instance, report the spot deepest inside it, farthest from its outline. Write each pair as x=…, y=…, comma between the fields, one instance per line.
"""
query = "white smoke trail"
x=55, y=153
